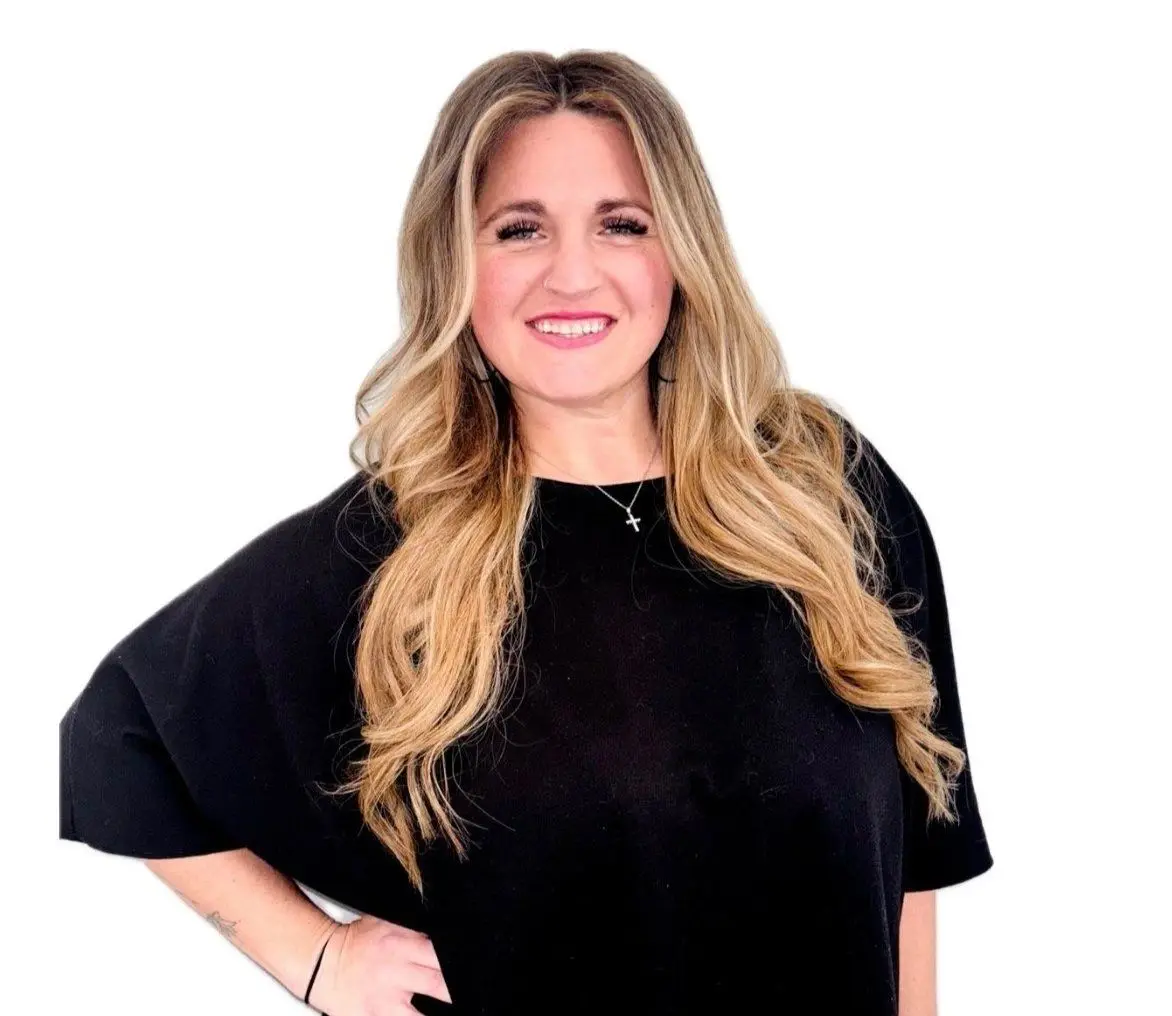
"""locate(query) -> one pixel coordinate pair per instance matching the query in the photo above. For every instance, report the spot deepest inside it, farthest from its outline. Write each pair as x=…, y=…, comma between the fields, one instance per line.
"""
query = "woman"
x=617, y=679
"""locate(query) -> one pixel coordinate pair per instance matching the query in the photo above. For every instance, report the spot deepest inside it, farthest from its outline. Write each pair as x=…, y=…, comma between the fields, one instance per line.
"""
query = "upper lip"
x=571, y=315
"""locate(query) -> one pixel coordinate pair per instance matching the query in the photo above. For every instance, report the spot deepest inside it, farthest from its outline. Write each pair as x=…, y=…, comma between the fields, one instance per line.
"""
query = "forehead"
x=564, y=159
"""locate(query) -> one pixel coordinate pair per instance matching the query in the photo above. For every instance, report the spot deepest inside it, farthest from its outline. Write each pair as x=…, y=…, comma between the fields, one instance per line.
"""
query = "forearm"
x=917, y=955
x=261, y=911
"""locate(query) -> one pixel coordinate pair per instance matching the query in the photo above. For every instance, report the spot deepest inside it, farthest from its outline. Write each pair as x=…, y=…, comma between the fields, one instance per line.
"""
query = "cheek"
x=648, y=281
x=501, y=285
x=493, y=285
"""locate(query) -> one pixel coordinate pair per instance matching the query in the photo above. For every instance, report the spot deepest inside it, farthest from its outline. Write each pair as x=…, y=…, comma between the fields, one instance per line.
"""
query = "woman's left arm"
x=917, y=954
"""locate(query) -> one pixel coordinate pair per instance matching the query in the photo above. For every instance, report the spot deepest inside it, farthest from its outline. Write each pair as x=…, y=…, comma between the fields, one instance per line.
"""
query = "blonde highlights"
x=757, y=470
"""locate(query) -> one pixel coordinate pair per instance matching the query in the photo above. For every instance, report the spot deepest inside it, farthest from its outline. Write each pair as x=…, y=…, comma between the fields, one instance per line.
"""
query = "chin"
x=572, y=394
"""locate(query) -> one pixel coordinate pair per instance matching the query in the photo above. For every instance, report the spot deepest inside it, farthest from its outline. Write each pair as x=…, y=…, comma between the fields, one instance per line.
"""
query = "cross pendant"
x=632, y=521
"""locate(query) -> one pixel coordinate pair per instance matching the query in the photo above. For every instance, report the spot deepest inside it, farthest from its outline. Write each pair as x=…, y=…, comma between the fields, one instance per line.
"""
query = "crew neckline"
x=549, y=481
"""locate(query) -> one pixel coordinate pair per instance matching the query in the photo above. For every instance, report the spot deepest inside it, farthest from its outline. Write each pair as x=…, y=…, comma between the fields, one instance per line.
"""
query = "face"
x=566, y=254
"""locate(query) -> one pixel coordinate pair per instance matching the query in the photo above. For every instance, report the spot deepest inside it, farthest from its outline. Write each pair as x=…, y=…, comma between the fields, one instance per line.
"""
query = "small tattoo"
x=222, y=924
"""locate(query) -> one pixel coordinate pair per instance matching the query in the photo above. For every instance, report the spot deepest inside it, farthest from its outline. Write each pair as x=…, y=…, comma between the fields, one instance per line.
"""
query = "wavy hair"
x=757, y=471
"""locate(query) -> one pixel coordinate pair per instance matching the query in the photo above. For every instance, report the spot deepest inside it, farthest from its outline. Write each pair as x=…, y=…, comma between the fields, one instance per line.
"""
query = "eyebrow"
x=534, y=207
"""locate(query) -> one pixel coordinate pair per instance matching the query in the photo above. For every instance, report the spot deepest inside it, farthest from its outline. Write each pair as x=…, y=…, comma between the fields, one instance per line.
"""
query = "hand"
x=372, y=967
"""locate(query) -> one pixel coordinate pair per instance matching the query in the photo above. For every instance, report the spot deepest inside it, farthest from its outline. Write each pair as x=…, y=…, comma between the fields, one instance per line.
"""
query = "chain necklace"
x=632, y=520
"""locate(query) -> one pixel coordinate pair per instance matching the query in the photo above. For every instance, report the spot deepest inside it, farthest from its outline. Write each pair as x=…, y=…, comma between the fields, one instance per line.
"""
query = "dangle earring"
x=669, y=337
x=491, y=374
x=490, y=368
x=498, y=386
x=665, y=343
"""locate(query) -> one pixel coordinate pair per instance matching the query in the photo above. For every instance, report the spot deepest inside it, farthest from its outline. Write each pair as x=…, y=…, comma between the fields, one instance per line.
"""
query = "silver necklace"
x=632, y=520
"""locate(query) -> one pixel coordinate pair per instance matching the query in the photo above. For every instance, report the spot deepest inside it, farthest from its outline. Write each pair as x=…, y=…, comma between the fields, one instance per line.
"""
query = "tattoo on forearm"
x=221, y=924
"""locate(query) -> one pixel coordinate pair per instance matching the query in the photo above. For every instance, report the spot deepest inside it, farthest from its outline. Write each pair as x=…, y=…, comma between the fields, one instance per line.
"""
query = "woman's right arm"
x=370, y=965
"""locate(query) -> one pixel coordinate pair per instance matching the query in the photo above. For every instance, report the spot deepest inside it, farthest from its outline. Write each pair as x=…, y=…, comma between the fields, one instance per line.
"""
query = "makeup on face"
x=571, y=329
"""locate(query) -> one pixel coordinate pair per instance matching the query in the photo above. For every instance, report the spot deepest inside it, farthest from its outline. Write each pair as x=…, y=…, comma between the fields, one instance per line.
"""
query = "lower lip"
x=571, y=341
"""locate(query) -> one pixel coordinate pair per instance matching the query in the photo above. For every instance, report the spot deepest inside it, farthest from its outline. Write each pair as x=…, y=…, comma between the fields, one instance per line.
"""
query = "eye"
x=507, y=232
x=624, y=225
x=629, y=227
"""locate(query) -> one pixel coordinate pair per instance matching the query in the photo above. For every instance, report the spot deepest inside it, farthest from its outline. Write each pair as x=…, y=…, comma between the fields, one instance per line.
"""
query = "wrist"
x=315, y=984
x=299, y=949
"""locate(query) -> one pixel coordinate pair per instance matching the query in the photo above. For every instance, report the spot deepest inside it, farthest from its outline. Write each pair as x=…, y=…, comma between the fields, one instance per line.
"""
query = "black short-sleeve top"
x=672, y=815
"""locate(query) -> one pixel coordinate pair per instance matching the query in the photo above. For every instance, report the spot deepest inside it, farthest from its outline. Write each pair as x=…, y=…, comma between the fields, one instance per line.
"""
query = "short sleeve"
x=122, y=791
x=205, y=728
x=939, y=853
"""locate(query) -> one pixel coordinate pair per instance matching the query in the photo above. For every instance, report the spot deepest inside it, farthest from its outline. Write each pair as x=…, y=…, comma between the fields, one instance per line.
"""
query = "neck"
x=591, y=444
x=544, y=469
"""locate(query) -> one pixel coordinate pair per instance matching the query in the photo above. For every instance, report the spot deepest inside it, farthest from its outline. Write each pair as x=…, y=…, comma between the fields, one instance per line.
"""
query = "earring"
x=666, y=342
x=491, y=373
x=669, y=337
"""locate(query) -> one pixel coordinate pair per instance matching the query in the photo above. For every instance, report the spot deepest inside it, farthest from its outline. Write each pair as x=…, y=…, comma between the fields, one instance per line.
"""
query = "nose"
x=573, y=266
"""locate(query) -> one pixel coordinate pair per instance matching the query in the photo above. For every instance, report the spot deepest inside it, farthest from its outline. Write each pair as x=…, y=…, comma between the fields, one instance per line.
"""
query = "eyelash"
x=632, y=226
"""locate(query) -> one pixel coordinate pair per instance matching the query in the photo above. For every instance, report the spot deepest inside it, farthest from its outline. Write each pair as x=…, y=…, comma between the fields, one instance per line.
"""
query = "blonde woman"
x=616, y=679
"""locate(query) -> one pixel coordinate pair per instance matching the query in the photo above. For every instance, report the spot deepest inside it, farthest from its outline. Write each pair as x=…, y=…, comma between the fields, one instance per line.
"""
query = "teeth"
x=572, y=328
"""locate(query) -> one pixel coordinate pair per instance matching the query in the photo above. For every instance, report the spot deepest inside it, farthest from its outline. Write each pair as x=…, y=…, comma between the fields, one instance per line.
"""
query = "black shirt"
x=673, y=814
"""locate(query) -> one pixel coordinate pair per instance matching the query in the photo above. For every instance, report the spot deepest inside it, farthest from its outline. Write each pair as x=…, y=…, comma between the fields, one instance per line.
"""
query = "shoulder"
x=903, y=536
x=884, y=491
x=279, y=595
x=347, y=523
x=307, y=545
x=871, y=475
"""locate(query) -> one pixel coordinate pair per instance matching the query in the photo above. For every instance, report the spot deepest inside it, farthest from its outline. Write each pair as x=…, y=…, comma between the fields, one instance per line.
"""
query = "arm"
x=259, y=910
x=917, y=955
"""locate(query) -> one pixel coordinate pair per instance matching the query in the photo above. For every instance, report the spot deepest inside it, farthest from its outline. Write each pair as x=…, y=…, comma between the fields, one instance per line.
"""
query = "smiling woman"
x=555, y=245
x=678, y=643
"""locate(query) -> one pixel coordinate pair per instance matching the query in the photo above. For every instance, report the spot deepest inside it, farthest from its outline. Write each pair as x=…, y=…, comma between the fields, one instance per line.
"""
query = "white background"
x=957, y=219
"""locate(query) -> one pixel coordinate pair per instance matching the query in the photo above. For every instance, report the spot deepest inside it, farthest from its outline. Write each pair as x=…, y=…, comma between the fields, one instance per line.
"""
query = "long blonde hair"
x=756, y=469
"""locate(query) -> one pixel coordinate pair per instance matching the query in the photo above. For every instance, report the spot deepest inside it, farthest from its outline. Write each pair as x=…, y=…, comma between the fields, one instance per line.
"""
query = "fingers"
x=410, y=964
x=418, y=950
x=426, y=981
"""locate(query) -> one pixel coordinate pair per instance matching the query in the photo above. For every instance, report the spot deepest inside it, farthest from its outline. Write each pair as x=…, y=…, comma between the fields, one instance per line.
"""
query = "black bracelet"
x=317, y=966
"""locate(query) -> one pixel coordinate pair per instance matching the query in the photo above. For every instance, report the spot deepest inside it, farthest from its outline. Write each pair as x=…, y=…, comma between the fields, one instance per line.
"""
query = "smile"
x=572, y=339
